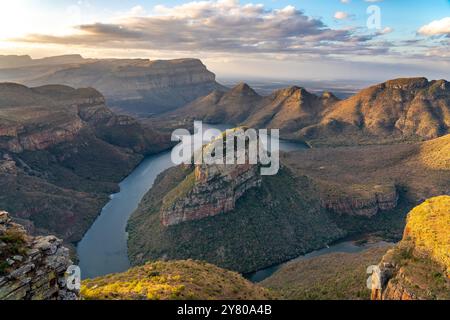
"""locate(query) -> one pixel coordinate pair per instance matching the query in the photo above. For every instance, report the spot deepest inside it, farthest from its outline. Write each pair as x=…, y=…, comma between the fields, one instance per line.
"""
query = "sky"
x=272, y=39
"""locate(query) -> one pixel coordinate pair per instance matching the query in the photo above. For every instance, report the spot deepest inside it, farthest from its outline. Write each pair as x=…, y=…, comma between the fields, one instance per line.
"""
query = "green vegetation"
x=179, y=191
x=14, y=242
x=271, y=224
x=174, y=280
x=336, y=276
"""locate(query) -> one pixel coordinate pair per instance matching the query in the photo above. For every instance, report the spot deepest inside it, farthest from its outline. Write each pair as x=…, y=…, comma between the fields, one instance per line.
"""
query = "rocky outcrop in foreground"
x=174, y=280
x=418, y=267
x=32, y=268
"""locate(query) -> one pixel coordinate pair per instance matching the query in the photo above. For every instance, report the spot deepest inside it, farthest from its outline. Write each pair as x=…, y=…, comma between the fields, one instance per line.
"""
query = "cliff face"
x=32, y=268
x=215, y=190
x=137, y=86
x=62, y=151
x=419, y=266
x=382, y=199
x=210, y=190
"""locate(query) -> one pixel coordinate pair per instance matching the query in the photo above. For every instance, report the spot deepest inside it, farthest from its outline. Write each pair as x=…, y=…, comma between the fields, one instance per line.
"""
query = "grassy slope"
x=333, y=276
x=279, y=221
x=174, y=280
x=419, y=171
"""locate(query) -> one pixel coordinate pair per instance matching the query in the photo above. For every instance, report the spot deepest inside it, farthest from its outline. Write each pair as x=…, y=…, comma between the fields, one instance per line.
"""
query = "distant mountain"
x=136, y=86
x=62, y=152
x=232, y=106
x=397, y=110
x=13, y=61
x=401, y=109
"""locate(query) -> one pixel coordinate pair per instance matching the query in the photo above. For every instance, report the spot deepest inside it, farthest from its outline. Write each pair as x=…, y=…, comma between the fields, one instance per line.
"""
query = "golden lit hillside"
x=173, y=280
x=435, y=154
x=428, y=226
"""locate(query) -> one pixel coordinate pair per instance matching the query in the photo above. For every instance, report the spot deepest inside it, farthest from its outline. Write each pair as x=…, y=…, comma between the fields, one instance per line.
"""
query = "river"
x=344, y=246
x=103, y=249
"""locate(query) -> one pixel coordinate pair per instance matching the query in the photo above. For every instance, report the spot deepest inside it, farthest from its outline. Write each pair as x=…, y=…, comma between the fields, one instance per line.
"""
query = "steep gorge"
x=62, y=152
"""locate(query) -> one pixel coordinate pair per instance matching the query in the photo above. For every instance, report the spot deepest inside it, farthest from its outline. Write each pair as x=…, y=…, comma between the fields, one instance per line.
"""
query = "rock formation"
x=32, y=268
x=210, y=190
x=382, y=199
x=137, y=86
x=62, y=151
x=419, y=266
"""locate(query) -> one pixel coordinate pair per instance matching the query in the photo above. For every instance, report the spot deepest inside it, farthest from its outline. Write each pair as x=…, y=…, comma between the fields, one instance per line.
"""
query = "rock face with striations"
x=418, y=267
x=62, y=151
x=210, y=189
x=137, y=86
x=32, y=268
x=382, y=199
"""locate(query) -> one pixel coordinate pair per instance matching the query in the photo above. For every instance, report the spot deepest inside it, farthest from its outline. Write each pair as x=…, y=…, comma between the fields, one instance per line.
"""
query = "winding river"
x=103, y=249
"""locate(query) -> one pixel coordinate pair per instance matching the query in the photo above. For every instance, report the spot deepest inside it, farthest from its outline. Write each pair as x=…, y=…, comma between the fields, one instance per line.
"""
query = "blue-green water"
x=103, y=249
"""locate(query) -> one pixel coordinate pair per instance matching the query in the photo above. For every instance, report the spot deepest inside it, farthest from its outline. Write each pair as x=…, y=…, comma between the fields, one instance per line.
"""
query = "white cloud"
x=437, y=27
x=341, y=15
x=386, y=30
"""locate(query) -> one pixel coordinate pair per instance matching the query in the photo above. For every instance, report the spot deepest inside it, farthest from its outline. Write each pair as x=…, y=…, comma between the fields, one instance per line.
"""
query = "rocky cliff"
x=211, y=188
x=62, y=151
x=137, y=86
x=383, y=198
x=419, y=266
x=214, y=190
x=32, y=268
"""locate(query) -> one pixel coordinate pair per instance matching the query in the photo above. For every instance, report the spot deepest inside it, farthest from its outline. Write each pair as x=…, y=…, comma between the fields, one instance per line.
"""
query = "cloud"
x=341, y=15
x=437, y=27
x=218, y=26
x=386, y=30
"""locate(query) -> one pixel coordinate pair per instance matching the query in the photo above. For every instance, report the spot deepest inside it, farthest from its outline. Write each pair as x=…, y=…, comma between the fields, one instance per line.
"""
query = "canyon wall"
x=381, y=200
x=214, y=189
x=135, y=86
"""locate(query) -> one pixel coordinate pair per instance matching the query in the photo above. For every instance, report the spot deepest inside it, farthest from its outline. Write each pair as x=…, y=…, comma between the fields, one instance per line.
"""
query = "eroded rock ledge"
x=208, y=191
x=32, y=268
x=382, y=199
x=211, y=189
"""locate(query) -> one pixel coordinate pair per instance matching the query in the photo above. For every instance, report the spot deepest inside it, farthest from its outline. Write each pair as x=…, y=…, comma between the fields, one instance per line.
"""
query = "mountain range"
x=398, y=110
x=134, y=86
